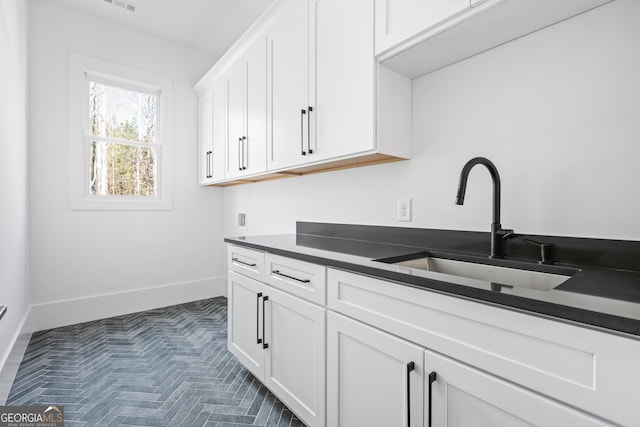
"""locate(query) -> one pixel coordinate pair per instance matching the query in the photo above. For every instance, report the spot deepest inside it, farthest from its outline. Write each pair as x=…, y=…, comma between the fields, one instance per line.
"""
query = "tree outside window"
x=123, y=143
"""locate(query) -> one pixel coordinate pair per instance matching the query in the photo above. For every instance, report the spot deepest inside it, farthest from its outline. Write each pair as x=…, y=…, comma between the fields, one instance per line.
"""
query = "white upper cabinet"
x=247, y=114
x=212, y=112
x=205, y=137
x=235, y=120
x=289, y=67
x=345, y=79
x=322, y=83
x=401, y=20
x=328, y=103
x=219, y=131
x=415, y=37
x=325, y=84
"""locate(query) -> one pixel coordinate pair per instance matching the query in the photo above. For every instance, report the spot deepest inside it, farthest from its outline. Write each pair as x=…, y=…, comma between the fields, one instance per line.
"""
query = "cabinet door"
x=400, y=20
x=462, y=396
x=245, y=329
x=255, y=144
x=369, y=377
x=217, y=156
x=344, y=109
x=235, y=120
x=295, y=354
x=205, y=137
x=289, y=89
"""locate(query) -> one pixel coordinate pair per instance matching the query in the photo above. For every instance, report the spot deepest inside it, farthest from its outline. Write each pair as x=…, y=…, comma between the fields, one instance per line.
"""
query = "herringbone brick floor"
x=163, y=367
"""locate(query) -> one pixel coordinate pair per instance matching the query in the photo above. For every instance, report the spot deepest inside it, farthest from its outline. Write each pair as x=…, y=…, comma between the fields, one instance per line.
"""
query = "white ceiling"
x=209, y=25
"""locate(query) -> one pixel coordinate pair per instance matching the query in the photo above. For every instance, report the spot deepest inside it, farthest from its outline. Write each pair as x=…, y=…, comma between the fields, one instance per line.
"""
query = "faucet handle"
x=507, y=234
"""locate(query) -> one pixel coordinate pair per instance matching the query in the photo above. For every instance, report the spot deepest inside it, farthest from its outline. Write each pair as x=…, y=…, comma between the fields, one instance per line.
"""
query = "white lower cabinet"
x=281, y=340
x=377, y=379
x=461, y=396
x=245, y=334
x=378, y=353
x=565, y=371
x=373, y=378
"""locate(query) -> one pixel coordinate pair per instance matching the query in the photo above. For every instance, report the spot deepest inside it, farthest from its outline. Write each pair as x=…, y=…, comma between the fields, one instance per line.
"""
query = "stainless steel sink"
x=504, y=276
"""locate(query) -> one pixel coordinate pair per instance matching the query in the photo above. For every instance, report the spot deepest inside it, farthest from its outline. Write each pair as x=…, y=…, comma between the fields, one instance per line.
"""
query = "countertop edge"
x=608, y=323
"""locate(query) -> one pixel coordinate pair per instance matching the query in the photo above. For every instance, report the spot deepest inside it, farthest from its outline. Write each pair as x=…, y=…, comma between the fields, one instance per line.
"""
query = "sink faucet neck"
x=495, y=177
x=496, y=228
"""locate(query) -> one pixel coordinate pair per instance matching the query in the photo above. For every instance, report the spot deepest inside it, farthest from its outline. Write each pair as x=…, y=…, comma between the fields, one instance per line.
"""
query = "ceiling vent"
x=123, y=4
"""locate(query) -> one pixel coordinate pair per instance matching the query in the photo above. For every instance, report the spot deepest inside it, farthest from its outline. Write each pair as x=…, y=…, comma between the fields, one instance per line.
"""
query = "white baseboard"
x=79, y=310
x=13, y=357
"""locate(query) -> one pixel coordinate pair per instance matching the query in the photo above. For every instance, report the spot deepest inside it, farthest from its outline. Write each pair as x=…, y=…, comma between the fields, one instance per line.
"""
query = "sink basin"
x=498, y=276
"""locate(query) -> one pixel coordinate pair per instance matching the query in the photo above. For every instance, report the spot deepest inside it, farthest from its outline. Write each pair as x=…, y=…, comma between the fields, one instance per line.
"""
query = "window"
x=122, y=140
x=122, y=160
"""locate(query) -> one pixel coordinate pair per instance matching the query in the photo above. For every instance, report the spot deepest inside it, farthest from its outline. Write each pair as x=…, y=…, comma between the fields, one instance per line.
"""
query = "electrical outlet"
x=242, y=220
x=404, y=210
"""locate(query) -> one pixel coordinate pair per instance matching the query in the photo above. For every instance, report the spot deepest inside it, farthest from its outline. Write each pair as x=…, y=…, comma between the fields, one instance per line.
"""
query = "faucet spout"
x=495, y=177
x=496, y=228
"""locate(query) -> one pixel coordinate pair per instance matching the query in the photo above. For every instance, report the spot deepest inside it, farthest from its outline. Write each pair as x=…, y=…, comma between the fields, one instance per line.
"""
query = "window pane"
x=122, y=170
x=121, y=113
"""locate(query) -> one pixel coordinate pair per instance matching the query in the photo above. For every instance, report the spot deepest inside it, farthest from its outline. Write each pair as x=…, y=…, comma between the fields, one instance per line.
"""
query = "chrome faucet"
x=497, y=232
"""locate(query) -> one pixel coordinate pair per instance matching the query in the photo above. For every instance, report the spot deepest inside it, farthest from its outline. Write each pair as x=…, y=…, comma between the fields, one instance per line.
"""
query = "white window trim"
x=79, y=197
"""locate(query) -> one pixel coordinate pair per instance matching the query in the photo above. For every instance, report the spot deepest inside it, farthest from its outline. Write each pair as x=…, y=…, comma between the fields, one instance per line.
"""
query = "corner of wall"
x=10, y=362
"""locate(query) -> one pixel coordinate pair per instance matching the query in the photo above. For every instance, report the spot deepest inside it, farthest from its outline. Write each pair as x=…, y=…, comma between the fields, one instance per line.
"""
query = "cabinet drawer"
x=246, y=261
x=299, y=278
x=585, y=368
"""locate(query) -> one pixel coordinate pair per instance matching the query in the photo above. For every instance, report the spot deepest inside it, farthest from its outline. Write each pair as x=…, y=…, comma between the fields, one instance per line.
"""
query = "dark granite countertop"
x=604, y=294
